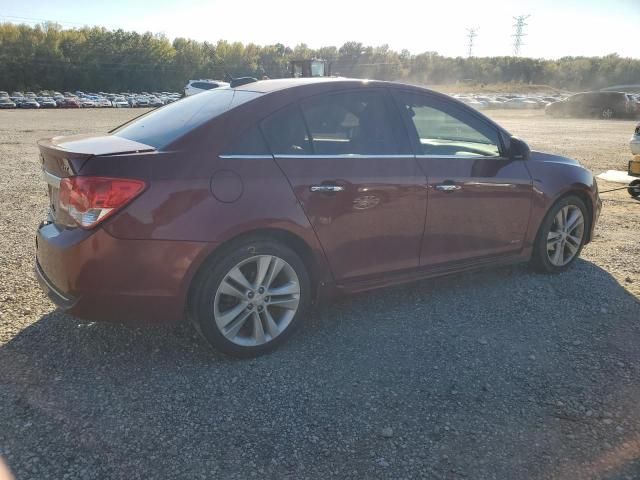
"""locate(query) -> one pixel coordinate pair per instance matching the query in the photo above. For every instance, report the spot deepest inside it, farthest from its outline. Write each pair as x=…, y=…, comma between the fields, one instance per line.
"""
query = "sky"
x=554, y=29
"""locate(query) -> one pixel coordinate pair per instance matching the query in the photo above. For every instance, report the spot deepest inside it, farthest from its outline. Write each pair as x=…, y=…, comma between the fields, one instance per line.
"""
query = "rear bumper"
x=62, y=300
x=97, y=277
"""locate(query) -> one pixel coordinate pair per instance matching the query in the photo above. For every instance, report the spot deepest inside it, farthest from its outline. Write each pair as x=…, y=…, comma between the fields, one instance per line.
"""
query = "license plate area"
x=53, y=202
x=53, y=188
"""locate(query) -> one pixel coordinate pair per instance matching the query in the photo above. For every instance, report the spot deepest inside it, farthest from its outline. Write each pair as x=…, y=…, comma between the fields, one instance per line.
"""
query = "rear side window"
x=286, y=133
x=250, y=142
x=350, y=123
x=204, y=85
x=163, y=126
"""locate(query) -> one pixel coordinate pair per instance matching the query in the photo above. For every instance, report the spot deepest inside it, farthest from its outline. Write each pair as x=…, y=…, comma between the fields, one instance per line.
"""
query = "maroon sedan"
x=238, y=208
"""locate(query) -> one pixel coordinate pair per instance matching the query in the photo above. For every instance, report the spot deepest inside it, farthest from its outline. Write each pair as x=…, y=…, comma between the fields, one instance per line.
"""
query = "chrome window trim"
x=345, y=155
x=257, y=157
x=470, y=157
x=350, y=155
x=52, y=179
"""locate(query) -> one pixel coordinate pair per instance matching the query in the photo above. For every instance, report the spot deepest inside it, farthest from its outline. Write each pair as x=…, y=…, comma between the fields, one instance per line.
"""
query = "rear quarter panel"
x=179, y=205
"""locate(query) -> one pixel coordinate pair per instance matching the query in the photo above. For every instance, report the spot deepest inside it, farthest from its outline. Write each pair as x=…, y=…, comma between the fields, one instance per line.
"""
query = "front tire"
x=561, y=236
x=250, y=298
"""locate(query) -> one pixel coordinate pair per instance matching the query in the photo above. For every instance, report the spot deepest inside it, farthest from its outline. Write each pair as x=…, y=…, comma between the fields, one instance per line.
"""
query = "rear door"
x=348, y=160
x=479, y=199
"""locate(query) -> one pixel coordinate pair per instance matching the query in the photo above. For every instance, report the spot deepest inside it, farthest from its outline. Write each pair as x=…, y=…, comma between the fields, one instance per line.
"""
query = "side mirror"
x=519, y=150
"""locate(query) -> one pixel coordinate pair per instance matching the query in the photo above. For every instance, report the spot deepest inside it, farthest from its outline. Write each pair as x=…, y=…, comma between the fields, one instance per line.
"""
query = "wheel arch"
x=577, y=190
x=580, y=191
x=310, y=258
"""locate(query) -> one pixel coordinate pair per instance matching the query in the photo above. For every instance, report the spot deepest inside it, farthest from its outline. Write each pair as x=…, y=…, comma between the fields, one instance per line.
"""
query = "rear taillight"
x=90, y=200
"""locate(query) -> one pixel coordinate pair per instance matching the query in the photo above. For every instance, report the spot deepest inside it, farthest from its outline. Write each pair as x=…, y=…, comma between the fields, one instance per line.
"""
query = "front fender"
x=554, y=177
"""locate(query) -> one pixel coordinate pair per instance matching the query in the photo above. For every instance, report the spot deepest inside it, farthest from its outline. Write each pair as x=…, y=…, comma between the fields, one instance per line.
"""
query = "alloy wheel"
x=607, y=113
x=565, y=235
x=257, y=300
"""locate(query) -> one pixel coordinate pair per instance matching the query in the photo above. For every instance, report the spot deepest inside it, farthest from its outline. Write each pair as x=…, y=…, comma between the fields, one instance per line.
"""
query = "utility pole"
x=471, y=35
x=519, y=33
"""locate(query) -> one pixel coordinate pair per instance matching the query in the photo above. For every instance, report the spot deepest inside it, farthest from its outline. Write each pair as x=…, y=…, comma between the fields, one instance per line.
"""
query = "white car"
x=472, y=102
x=635, y=141
x=119, y=102
x=520, y=104
x=142, y=101
x=87, y=103
x=199, y=86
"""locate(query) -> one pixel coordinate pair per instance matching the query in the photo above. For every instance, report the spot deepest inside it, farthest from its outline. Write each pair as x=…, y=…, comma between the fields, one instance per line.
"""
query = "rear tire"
x=607, y=113
x=634, y=189
x=250, y=298
x=561, y=236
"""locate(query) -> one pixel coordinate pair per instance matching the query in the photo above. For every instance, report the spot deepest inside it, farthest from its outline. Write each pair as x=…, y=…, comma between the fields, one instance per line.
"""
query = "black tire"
x=634, y=189
x=540, y=261
x=206, y=283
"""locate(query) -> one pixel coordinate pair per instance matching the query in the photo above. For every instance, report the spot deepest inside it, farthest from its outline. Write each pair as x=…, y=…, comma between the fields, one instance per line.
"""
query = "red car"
x=68, y=103
x=240, y=207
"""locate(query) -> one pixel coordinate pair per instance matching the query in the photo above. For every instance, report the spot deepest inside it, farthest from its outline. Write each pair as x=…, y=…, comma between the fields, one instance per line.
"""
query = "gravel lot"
x=502, y=374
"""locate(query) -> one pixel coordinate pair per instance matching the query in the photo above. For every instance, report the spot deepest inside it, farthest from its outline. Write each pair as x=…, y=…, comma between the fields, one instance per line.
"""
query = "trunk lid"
x=63, y=157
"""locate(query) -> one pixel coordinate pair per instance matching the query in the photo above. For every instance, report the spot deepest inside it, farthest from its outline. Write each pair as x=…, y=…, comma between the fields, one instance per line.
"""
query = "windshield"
x=163, y=126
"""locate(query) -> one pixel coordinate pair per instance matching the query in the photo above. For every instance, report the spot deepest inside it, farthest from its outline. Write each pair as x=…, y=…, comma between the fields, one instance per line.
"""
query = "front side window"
x=440, y=133
x=350, y=123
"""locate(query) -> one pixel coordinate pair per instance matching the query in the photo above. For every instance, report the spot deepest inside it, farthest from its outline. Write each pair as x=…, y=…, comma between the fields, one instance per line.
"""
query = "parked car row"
x=587, y=104
x=508, y=101
x=78, y=99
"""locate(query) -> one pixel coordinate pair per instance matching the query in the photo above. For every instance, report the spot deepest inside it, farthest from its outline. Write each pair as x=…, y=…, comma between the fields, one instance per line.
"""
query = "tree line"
x=95, y=58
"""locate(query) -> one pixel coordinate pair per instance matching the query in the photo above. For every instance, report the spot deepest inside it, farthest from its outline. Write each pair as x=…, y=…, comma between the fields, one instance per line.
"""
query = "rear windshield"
x=163, y=126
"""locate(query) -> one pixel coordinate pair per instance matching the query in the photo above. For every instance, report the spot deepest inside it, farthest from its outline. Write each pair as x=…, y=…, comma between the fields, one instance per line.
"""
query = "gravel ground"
x=501, y=374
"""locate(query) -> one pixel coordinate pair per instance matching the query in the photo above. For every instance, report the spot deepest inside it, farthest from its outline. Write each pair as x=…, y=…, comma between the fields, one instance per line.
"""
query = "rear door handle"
x=326, y=188
x=447, y=187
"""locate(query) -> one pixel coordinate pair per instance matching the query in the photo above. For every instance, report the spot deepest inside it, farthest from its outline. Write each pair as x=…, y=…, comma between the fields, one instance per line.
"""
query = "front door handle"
x=447, y=187
x=326, y=188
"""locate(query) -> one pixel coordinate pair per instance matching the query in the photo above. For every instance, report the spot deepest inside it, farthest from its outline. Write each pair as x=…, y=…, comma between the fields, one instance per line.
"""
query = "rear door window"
x=249, y=143
x=350, y=123
x=286, y=133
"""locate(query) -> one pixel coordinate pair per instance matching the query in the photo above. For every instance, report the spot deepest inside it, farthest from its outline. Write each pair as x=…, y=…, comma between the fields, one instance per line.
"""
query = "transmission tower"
x=471, y=35
x=517, y=37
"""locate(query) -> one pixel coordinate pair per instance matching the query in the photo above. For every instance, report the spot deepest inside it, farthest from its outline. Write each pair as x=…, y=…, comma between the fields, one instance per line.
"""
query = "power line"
x=43, y=20
x=471, y=35
x=519, y=33
x=34, y=20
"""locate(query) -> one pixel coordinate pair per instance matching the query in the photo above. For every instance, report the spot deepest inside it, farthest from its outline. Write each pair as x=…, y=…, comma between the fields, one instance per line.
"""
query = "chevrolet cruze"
x=240, y=207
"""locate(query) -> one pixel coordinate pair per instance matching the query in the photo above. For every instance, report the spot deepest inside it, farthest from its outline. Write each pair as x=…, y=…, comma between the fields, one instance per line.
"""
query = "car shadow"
x=501, y=373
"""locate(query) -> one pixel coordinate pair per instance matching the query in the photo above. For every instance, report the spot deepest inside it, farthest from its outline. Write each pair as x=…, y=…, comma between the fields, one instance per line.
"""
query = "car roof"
x=266, y=86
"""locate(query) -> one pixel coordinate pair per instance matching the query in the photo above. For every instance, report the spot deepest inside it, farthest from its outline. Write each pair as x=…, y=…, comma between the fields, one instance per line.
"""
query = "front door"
x=479, y=199
x=350, y=166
